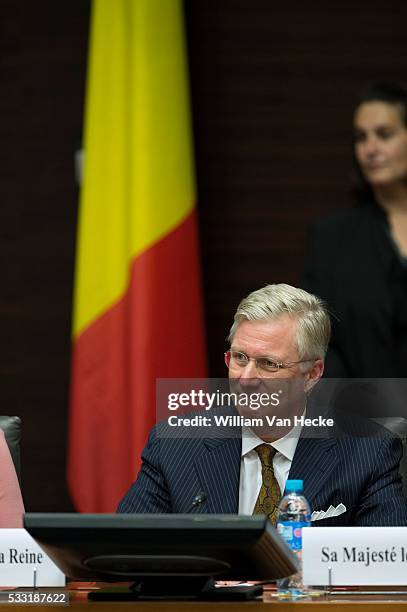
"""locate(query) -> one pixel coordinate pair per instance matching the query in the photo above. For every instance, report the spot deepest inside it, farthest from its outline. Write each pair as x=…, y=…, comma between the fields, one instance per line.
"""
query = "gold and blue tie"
x=269, y=496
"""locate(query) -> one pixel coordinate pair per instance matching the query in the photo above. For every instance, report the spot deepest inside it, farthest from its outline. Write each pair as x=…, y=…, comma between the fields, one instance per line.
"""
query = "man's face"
x=276, y=341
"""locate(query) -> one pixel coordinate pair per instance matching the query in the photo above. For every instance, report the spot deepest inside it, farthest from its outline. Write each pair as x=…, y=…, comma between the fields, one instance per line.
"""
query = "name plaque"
x=23, y=563
x=354, y=556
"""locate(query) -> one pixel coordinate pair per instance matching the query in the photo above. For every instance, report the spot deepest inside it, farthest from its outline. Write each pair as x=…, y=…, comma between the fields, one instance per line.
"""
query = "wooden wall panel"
x=42, y=70
x=273, y=89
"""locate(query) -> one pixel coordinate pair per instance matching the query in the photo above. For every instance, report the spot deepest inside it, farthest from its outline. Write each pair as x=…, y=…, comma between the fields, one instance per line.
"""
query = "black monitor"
x=185, y=551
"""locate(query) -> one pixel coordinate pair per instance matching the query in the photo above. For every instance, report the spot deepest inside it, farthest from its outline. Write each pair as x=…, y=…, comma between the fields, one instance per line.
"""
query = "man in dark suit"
x=278, y=343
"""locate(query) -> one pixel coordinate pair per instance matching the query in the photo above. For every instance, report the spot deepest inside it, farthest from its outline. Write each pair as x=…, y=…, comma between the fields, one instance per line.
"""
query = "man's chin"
x=270, y=433
x=269, y=422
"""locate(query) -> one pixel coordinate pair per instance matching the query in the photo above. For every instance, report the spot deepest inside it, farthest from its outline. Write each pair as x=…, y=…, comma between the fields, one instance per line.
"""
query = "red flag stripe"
x=155, y=331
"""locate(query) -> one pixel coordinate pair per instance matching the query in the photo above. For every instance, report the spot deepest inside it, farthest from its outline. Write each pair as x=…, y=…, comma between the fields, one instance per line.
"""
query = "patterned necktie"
x=270, y=495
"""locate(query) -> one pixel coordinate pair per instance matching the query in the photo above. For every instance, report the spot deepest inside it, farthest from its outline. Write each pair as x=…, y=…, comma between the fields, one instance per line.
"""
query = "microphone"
x=199, y=499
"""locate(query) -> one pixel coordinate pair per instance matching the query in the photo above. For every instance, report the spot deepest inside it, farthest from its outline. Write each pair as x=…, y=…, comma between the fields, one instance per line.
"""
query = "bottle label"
x=291, y=532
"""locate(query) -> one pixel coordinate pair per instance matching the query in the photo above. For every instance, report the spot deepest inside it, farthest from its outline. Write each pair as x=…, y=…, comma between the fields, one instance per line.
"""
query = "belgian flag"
x=137, y=303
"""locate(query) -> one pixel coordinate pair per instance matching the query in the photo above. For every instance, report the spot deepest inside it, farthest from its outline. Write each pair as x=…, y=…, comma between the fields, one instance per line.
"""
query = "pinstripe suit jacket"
x=359, y=471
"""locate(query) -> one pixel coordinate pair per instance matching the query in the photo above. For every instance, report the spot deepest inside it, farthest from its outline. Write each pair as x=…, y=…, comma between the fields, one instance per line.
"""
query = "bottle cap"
x=294, y=485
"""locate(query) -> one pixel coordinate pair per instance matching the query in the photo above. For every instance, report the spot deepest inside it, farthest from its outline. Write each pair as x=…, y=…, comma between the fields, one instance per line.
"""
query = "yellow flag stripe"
x=138, y=169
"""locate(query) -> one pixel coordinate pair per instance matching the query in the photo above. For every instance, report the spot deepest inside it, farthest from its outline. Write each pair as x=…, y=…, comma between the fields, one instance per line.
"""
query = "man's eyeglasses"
x=236, y=360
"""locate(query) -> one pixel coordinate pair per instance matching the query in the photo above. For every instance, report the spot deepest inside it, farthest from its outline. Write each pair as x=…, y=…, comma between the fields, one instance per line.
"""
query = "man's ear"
x=314, y=374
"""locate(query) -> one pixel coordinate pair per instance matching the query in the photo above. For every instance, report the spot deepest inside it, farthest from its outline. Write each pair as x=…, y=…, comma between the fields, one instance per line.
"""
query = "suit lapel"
x=219, y=472
x=313, y=462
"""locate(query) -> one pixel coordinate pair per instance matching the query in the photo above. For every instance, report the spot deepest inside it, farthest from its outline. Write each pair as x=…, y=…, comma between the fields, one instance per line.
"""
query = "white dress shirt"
x=250, y=466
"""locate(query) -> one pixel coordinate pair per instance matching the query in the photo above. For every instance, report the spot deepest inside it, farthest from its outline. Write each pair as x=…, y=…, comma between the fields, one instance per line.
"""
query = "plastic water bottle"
x=293, y=515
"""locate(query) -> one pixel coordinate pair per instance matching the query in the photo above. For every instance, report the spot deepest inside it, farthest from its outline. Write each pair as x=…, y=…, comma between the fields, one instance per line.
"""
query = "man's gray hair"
x=274, y=301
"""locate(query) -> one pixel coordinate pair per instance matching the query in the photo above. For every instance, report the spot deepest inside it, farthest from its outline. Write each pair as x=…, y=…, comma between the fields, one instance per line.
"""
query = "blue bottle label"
x=291, y=531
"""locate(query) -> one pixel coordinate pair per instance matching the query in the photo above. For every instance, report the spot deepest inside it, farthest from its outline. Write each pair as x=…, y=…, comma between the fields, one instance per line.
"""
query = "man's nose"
x=249, y=375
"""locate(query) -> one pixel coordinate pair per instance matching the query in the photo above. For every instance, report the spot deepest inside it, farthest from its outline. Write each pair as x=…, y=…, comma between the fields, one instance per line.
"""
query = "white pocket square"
x=318, y=515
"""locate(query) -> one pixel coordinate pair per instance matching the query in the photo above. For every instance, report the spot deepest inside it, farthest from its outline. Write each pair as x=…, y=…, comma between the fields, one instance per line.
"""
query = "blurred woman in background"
x=357, y=258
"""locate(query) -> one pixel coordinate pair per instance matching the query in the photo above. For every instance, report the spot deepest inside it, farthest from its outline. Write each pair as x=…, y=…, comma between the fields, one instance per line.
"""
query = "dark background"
x=272, y=90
